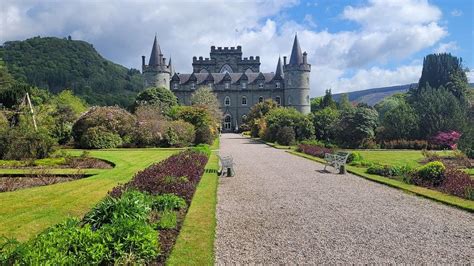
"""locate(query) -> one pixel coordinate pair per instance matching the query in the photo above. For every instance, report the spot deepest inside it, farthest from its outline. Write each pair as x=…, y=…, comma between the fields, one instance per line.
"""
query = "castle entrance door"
x=227, y=123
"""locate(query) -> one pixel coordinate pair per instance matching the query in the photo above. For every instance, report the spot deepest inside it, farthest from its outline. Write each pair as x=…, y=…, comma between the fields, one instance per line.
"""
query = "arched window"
x=260, y=99
x=260, y=85
x=289, y=100
x=227, y=122
x=278, y=100
x=244, y=85
x=226, y=69
x=244, y=100
x=227, y=85
x=175, y=86
x=277, y=85
x=227, y=101
x=193, y=85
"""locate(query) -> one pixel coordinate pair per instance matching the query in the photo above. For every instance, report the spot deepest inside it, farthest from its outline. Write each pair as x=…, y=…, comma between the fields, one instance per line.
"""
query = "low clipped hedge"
x=314, y=149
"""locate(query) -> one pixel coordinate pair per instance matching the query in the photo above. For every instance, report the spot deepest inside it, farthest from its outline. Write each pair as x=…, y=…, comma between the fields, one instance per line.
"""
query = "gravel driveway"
x=279, y=208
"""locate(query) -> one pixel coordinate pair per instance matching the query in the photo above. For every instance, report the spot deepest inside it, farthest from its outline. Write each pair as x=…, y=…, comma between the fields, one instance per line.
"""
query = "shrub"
x=113, y=119
x=99, y=138
x=168, y=202
x=408, y=144
x=430, y=174
x=384, y=170
x=458, y=183
x=354, y=157
x=25, y=143
x=161, y=97
x=131, y=205
x=204, y=135
x=285, y=136
x=130, y=241
x=150, y=126
x=167, y=220
x=447, y=139
x=179, y=134
x=288, y=117
x=314, y=150
x=202, y=148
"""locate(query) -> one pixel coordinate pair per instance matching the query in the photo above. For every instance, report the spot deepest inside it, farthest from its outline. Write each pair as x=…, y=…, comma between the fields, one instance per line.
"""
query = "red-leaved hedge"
x=314, y=150
x=459, y=183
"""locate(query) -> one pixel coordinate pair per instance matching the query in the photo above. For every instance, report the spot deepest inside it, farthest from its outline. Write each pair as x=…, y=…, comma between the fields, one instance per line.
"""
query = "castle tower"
x=157, y=73
x=296, y=76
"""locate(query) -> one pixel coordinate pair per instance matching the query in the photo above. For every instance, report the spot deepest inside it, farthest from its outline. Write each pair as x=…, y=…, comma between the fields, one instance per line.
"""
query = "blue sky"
x=352, y=45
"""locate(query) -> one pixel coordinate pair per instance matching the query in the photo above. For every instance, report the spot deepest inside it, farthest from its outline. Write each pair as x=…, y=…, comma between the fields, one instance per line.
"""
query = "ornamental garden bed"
x=137, y=223
x=12, y=182
x=81, y=162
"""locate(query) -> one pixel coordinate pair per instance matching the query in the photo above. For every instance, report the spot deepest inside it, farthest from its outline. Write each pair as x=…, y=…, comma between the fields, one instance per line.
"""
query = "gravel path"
x=280, y=209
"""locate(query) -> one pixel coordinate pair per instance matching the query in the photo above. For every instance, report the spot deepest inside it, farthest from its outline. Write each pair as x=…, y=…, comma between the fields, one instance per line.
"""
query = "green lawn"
x=26, y=212
x=396, y=157
x=195, y=243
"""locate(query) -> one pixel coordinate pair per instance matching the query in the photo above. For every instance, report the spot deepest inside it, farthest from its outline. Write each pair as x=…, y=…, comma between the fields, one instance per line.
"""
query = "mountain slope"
x=57, y=64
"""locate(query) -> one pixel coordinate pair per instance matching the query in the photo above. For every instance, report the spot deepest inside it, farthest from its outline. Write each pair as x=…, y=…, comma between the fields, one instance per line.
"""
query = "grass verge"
x=195, y=243
x=26, y=212
x=458, y=202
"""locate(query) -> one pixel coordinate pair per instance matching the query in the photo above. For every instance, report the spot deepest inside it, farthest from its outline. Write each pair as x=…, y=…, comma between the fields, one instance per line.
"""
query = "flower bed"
x=137, y=223
x=314, y=150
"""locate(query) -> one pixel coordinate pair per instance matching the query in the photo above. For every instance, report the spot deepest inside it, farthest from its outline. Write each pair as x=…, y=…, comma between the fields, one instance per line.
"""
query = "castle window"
x=307, y=98
x=244, y=85
x=260, y=99
x=260, y=85
x=211, y=86
x=244, y=100
x=289, y=82
x=277, y=85
x=193, y=85
x=175, y=86
x=278, y=100
x=226, y=69
x=289, y=100
x=227, y=85
x=227, y=101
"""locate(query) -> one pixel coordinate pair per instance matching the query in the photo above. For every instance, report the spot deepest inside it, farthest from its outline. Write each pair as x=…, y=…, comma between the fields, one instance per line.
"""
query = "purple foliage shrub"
x=458, y=183
x=447, y=139
x=314, y=150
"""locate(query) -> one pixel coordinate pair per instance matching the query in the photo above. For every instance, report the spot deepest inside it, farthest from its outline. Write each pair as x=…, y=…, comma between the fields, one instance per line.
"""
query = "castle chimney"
x=305, y=58
x=143, y=60
x=284, y=60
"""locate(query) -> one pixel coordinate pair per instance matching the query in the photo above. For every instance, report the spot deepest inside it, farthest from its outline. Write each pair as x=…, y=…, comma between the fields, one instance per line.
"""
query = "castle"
x=236, y=81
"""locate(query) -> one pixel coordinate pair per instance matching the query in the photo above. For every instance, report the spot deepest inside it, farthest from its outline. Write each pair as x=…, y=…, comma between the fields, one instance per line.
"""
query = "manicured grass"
x=420, y=191
x=26, y=212
x=396, y=157
x=195, y=243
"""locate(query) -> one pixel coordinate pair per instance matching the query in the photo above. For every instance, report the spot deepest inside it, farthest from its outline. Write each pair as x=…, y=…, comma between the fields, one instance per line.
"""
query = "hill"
x=375, y=95
x=57, y=64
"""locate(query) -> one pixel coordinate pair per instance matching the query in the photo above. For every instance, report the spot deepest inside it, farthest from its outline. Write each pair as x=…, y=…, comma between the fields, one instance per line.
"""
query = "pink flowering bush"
x=447, y=139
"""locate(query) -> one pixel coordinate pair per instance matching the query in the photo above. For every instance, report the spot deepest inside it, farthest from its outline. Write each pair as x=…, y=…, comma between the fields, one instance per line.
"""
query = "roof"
x=296, y=55
x=155, y=57
x=219, y=77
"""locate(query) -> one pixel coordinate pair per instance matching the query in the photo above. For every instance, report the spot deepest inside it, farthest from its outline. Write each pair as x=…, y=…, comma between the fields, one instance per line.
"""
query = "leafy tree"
x=324, y=122
x=390, y=103
x=400, y=122
x=439, y=110
x=204, y=97
x=200, y=118
x=327, y=100
x=68, y=109
x=255, y=117
x=315, y=103
x=356, y=126
x=161, y=97
x=344, y=103
x=6, y=79
x=288, y=117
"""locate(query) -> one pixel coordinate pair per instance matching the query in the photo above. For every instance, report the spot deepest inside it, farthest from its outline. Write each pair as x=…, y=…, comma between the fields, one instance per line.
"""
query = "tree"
x=439, y=110
x=255, y=117
x=356, y=126
x=68, y=108
x=204, y=97
x=390, y=103
x=327, y=100
x=288, y=117
x=324, y=122
x=315, y=103
x=400, y=122
x=344, y=103
x=200, y=118
x=161, y=97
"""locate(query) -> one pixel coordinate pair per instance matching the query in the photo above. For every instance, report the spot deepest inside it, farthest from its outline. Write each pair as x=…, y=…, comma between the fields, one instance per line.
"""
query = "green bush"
x=288, y=117
x=25, y=143
x=114, y=119
x=99, y=138
x=168, y=202
x=130, y=241
x=432, y=172
x=131, y=205
x=204, y=135
x=179, y=134
x=168, y=220
x=202, y=148
x=383, y=170
x=354, y=157
x=285, y=136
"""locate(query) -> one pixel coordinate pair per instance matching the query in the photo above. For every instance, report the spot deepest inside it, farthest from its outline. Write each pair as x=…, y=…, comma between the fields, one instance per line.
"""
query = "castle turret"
x=156, y=73
x=296, y=76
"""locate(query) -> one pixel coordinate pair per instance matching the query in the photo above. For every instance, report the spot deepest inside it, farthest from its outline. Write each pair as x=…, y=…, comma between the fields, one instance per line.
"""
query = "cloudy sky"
x=352, y=45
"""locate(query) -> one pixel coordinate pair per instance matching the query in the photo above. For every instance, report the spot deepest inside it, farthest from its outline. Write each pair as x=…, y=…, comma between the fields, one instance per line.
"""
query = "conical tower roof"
x=296, y=55
x=156, y=55
x=279, y=69
x=170, y=66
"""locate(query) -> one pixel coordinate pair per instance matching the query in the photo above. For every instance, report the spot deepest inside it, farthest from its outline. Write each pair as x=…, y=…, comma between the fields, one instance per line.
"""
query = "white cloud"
x=390, y=31
x=470, y=76
x=456, y=13
x=447, y=47
x=309, y=20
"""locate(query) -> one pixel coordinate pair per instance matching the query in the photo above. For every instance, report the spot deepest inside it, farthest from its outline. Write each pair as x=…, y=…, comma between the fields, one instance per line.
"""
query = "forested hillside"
x=57, y=64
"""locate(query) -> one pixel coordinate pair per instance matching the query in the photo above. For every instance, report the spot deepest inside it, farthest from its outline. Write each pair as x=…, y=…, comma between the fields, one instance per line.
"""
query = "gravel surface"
x=280, y=208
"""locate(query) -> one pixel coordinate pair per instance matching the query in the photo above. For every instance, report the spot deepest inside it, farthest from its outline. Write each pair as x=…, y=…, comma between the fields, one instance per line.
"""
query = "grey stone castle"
x=236, y=81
